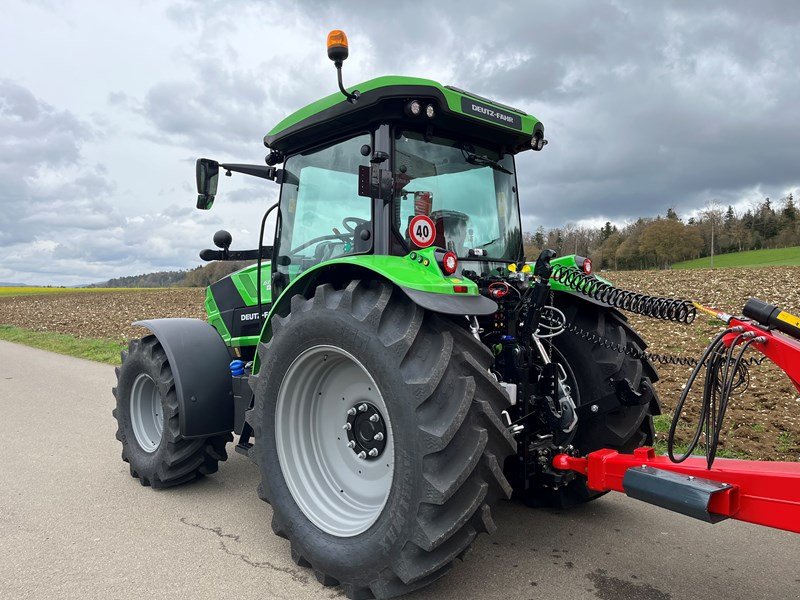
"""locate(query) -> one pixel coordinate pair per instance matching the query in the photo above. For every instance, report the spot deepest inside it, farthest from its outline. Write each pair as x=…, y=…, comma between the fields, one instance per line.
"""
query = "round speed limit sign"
x=422, y=231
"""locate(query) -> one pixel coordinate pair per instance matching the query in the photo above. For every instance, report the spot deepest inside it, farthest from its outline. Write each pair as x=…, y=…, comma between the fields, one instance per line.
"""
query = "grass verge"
x=751, y=258
x=662, y=424
x=9, y=291
x=100, y=350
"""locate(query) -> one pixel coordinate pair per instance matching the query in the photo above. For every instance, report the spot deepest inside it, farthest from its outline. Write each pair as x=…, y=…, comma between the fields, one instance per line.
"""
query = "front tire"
x=444, y=441
x=148, y=425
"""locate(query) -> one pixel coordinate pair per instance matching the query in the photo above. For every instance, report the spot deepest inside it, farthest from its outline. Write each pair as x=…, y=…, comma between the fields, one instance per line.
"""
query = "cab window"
x=322, y=214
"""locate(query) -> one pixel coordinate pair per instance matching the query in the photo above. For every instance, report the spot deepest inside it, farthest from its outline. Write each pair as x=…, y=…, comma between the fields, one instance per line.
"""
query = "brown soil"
x=763, y=422
x=101, y=314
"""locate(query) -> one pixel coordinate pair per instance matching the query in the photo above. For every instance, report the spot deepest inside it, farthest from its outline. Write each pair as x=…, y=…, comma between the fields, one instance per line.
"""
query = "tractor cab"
x=359, y=168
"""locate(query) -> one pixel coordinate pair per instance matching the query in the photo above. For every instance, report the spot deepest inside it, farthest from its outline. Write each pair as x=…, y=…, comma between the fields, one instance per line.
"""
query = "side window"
x=322, y=214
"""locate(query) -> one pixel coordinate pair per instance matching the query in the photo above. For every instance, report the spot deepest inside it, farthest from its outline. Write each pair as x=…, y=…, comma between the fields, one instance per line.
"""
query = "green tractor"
x=391, y=363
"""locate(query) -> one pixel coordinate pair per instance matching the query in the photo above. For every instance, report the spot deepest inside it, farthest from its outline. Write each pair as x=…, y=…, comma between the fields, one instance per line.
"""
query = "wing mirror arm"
x=207, y=173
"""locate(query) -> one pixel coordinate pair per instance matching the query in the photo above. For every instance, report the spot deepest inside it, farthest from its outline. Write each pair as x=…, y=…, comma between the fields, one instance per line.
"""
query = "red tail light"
x=587, y=266
x=449, y=262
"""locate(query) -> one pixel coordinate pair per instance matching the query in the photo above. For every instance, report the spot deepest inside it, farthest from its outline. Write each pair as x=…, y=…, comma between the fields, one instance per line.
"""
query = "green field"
x=101, y=350
x=6, y=291
x=780, y=257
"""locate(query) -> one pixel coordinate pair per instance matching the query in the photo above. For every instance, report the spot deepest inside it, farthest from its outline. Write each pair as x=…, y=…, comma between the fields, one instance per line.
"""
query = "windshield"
x=469, y=192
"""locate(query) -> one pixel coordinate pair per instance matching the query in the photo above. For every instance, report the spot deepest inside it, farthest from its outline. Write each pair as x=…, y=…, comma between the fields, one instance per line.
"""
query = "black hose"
x=667, y=309
x=724, y=374
x=724, y=400
x=713, y=348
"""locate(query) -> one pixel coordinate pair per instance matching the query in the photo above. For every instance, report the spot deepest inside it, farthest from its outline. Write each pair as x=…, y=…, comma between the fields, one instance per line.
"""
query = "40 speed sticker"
x=422, y=231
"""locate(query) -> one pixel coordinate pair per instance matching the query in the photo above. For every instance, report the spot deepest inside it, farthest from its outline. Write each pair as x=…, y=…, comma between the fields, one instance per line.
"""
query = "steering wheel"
x=322, y=238
x=356, y=220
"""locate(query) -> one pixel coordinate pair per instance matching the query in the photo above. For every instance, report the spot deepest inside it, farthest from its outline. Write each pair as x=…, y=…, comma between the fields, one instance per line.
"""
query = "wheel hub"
x=366, y=431
x=331, y=424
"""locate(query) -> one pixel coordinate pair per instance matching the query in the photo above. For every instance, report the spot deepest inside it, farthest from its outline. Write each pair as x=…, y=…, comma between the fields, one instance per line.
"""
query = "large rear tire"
x=386, y=523
x=615, y=391
x=148, y=424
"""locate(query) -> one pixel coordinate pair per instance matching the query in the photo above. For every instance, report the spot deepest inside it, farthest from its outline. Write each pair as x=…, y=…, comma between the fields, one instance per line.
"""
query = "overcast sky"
x=104, y=107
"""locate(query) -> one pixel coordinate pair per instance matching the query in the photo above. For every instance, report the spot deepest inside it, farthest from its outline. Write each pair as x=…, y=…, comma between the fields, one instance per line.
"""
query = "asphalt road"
x=74, y=524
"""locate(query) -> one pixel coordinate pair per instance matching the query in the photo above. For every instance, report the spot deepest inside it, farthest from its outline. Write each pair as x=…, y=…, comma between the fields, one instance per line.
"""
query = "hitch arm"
x=761, y=492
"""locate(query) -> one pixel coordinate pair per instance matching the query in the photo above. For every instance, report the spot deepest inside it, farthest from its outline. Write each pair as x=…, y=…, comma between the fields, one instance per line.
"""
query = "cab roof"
x=384, y=99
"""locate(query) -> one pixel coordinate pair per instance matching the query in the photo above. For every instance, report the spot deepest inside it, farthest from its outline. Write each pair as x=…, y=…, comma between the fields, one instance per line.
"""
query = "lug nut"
x=378, y=437
x=362, y=455
x=347, y=427
x=374, y=418
x=351, y=411
x=373, y=452
x=351, y=444
x=362, y=408
x=594, y=408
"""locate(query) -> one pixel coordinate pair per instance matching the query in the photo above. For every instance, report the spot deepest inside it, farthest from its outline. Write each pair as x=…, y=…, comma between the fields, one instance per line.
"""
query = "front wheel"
x=378, y=438
x=148, y=423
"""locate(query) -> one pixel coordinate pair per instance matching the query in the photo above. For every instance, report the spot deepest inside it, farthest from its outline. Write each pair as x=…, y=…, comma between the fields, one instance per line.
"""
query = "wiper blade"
x=485, y=161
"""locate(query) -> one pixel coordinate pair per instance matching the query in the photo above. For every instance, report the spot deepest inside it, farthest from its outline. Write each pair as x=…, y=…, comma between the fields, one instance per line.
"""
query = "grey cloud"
x=646, y=105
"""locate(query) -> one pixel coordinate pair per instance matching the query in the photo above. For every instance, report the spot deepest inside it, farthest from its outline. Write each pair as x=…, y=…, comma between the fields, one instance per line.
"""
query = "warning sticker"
x=422, y=231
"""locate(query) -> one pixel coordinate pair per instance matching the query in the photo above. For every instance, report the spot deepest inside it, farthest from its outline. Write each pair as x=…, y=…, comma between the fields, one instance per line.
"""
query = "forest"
x=658, y=242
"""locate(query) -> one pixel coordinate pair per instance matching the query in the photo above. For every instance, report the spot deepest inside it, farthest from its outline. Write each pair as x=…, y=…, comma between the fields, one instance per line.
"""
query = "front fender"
x=200, y=366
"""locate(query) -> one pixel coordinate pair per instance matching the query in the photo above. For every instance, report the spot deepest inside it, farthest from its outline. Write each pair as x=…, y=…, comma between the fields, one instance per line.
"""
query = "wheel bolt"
x=378, y=437
x=362, y=408
x=351, y=444
x=374, y=418
x=362, y=455
x=351, y=411
x=373, y=452
x=347, y=427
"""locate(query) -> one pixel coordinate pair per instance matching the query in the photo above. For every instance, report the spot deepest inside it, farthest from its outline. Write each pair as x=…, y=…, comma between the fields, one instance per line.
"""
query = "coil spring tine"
x=667, y=309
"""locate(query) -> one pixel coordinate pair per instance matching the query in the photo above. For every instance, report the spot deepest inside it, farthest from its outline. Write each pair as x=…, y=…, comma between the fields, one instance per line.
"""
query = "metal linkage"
x=667, y=309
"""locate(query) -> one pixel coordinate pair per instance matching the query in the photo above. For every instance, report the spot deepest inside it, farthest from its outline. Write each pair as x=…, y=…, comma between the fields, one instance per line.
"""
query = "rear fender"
x=200, y=366
x=422, y=284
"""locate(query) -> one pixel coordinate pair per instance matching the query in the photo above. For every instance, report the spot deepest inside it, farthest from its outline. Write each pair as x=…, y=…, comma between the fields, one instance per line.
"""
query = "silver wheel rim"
x=340, y=492
x=147, y=417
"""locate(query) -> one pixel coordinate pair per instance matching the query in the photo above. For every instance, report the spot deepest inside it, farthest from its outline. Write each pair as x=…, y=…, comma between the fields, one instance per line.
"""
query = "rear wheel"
x=614, y=391
x=378, y=438
x=147, y=414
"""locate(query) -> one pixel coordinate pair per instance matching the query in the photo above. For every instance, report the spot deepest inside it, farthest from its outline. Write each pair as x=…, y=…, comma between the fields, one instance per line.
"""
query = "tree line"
x=659, y=242
x=198, y=277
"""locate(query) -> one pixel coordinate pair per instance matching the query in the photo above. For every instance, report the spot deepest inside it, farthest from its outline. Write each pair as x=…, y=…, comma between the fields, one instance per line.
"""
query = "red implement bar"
x=766, y=493
x=780, y=349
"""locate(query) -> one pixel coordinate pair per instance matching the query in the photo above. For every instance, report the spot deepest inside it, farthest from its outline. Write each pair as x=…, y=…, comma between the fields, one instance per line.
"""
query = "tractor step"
x=685, y=494
x=244, y=448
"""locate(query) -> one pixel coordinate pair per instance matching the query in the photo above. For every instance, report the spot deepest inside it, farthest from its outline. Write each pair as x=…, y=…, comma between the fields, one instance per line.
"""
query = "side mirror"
x=207, y=179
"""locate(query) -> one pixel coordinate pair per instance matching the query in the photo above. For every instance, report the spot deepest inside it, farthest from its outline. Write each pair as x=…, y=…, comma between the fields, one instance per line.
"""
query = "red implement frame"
x=766, y=493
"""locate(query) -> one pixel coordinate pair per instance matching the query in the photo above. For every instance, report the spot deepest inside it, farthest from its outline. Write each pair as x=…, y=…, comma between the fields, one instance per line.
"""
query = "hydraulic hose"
x=667, y=309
